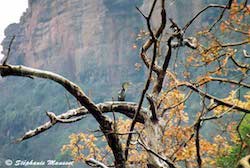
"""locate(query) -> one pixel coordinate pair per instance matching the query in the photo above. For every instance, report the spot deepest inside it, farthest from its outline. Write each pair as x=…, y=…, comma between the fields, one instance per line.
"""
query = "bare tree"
x=164, y=80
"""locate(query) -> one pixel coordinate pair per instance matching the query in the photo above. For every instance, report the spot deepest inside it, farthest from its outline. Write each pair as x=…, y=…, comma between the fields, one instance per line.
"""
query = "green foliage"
x=237, y=150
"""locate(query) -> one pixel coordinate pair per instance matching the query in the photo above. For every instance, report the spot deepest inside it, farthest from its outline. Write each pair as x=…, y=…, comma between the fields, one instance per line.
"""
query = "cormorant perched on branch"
x=121, y=93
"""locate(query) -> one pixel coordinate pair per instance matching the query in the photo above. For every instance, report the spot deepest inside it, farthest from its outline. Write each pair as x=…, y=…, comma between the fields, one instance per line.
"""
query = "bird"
x=122, y=92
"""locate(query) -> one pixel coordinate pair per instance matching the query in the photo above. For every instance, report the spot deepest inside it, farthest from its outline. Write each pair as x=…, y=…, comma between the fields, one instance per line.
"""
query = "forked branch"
x=76, y=91
x=74, y=115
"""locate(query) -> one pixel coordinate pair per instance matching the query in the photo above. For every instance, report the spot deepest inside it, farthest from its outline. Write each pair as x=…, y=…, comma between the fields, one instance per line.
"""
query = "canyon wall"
x=71, y=37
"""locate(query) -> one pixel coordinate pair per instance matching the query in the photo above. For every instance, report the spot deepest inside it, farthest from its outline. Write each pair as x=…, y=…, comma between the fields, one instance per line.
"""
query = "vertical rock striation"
x=71, y=37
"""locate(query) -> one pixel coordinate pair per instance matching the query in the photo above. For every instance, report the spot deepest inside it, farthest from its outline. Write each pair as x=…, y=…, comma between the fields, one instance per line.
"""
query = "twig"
x=210, y=97
x=221, y=15
x=179, y=103
x=238, y=131
x=145, y=17
x=244, y=66
x=183, y=144
x=166, y=160
x=235, y=44
x=204, y=9
x=244, y=5
x=217, y=100
x=9, y=49
x=149, y=42
x=226, y=81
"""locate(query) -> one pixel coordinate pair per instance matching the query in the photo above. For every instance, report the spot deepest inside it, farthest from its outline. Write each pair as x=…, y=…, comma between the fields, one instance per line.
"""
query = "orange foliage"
x=177, y=139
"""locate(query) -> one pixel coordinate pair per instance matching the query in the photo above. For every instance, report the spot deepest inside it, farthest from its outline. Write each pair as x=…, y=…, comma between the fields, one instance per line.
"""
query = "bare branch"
x=126, y=108
x=238, y=131
x=9, y=49
x=210, y=97
x=165, y=159
x=147, y=61
x=95, y=163
x=204, y=9
x=214, y=116
x=241, y=65
x=183, y=144
x=179, y=103
x=141, y=100
x=235, y=44
x=154, y=40
x=71, y=87
x=226, y=81
x=197, y=142
x=145, y=17
x=158, y=33
x=54, y=119
x=161, y=75
x=245, y=4
x=221, y=15
x=217, y=100
x=148, y=18
x=76, y=91
x=149, y=42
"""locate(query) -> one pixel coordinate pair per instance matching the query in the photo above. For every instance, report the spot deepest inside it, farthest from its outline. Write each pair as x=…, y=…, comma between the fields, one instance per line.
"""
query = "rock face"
x=91, y=42
x=71, y=37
